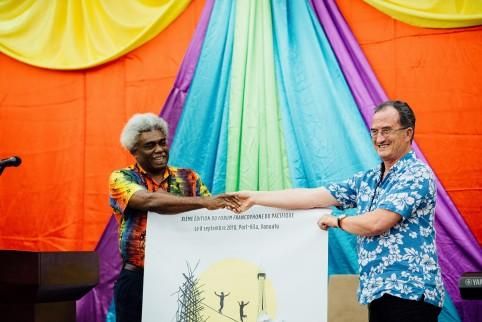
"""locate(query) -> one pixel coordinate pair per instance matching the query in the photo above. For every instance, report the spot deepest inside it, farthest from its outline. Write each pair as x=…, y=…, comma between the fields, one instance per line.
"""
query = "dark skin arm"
x=164, y=202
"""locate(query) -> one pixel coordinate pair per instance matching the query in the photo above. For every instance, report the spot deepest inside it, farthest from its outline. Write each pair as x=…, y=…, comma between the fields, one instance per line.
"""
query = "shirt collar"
x=410, y=155
x=165, y=175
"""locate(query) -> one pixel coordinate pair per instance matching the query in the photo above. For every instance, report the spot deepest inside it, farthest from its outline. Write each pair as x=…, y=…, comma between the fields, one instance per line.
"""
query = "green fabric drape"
x=256, y=157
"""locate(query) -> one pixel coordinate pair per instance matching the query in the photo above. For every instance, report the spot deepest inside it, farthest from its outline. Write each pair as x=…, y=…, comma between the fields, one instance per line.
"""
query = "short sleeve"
x=415, y=186
x=201, y=189
x=122, y=185
x=346, y=192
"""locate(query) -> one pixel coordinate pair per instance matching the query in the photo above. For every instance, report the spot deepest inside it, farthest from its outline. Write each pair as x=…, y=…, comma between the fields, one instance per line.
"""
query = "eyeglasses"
x=386, y=131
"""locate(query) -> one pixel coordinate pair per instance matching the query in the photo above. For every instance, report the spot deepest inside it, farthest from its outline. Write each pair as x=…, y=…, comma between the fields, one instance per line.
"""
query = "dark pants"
x=390, y=308
x=128, y=296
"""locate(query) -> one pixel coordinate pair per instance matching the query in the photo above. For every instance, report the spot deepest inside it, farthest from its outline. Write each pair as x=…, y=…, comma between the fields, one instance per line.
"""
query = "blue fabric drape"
x=201, y=135
x=325, y=134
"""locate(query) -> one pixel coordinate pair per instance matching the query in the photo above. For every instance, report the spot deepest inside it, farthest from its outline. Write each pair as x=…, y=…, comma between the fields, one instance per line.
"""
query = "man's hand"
x=327, y=221
x=227, y=201
x=246, y=199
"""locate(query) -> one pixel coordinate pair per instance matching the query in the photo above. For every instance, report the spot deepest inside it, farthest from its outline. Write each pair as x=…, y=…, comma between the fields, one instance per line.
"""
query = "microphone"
x=10, y=162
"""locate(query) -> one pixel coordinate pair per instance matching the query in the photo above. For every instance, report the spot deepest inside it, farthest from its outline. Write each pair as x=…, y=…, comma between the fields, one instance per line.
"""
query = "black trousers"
x=128, y=296
x=390, y=308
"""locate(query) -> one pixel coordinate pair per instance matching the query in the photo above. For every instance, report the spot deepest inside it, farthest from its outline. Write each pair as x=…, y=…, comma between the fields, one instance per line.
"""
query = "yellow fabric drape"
x=77, y=34
x=432, y=13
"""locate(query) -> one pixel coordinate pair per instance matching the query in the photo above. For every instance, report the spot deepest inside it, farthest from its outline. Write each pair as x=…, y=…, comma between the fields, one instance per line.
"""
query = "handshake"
x=300, y=198
x=236, y=201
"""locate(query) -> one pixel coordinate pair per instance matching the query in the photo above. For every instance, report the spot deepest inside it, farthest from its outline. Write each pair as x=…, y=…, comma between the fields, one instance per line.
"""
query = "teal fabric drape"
x=325, y=134
x=200, y=142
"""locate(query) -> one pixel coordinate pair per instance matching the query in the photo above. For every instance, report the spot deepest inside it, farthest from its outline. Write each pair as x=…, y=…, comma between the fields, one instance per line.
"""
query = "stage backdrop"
x=65, y=125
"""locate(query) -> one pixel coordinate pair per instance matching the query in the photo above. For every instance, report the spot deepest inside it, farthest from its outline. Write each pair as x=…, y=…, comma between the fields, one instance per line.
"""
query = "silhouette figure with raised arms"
x=241, y=310
x=221, y=300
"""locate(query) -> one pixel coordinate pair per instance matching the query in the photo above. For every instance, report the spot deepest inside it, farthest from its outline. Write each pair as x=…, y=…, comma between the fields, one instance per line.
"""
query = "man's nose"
x=160, y=147
x=379, y=138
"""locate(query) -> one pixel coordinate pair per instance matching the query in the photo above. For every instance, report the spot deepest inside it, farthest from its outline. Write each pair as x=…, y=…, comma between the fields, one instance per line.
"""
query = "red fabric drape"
x=65, y=126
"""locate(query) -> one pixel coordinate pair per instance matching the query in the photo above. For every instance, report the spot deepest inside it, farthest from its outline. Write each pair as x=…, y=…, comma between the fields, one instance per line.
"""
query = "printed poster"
x=263, y=265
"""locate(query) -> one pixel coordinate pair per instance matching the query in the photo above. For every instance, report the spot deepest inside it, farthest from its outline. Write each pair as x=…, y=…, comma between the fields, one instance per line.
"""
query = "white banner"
x=262, y=265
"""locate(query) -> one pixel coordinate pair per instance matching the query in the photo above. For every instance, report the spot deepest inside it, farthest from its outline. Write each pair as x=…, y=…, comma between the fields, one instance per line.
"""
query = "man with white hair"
x=149, y=185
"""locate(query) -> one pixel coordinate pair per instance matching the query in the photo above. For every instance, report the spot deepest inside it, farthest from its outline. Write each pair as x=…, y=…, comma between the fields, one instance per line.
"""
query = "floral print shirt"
x=402, y=261
x=132, y=223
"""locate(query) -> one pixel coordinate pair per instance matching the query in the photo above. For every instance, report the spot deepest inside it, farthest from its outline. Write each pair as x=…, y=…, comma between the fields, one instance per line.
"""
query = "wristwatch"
x=339, y=219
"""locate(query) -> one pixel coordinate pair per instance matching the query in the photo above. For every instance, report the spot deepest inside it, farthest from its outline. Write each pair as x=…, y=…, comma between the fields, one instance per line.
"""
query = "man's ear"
x=410, y=133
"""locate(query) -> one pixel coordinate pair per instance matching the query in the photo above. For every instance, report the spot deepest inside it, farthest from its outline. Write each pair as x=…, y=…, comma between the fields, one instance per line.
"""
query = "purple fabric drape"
x=458, y=249
x=172, y=109
x=94, y=305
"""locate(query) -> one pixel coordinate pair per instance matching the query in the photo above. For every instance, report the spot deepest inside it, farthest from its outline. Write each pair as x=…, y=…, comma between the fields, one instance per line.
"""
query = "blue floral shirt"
x=402, y=261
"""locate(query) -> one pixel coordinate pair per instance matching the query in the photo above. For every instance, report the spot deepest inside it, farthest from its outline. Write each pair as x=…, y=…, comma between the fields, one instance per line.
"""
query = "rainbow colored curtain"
x=280, y=97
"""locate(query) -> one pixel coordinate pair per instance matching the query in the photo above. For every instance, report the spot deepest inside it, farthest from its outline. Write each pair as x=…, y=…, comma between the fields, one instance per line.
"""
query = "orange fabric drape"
x=438, y=73
x=65, y=126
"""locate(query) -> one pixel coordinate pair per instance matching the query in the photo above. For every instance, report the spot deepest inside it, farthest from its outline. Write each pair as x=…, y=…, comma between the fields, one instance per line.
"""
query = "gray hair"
x=138, y=124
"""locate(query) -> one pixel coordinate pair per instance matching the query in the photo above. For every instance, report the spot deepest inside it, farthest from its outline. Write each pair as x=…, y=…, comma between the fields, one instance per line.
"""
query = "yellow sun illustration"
x=236, y=290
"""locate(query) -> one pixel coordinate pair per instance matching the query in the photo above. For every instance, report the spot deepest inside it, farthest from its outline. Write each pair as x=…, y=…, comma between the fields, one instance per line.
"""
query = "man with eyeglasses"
x=400, y=277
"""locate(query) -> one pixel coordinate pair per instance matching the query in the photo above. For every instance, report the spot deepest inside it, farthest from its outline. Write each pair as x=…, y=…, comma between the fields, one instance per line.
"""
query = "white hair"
x=138, y=124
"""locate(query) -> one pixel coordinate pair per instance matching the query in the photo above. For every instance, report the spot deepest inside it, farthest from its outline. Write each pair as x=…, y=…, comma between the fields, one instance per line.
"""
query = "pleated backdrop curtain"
x=285, y=106
x=72, y=34
x=289, y=93
x=432, y=13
